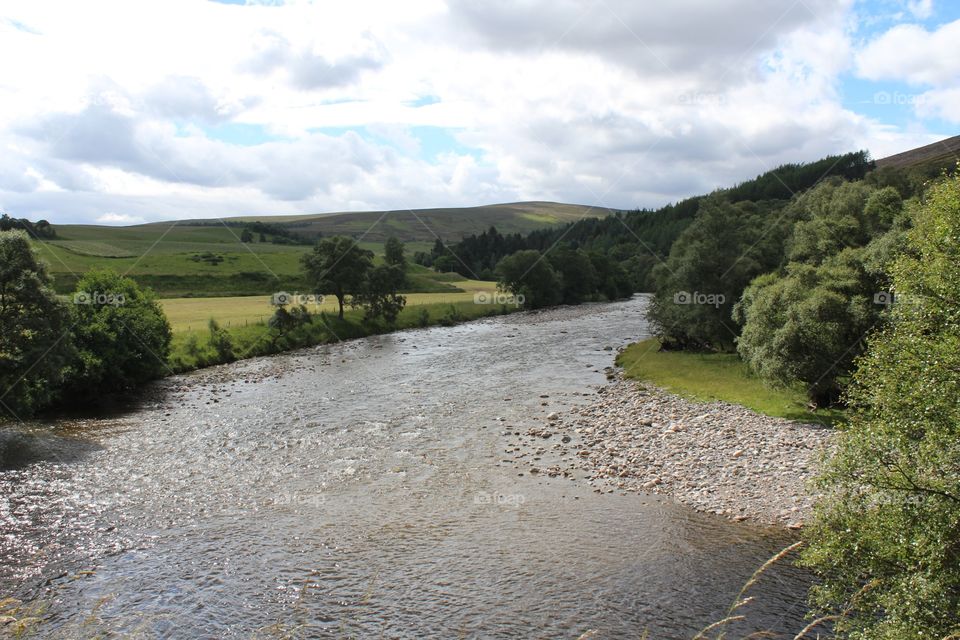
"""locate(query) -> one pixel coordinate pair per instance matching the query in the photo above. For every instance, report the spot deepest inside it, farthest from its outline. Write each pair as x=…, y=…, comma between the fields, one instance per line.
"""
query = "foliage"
x=34, y=330
x=577, y=275
x=379, y=296
x=121, y=335
x=709, y=266
x=423, y=317
x=393, y=253
x=221, y=342
x=637, y=240
x=808, y=322
x=886, y=537
x=338, y=265
x=284, y=321
x=40, y=229
x=529, y=274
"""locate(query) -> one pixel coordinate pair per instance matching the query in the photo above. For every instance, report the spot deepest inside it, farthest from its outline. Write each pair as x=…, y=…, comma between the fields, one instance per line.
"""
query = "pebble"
x=716, y=457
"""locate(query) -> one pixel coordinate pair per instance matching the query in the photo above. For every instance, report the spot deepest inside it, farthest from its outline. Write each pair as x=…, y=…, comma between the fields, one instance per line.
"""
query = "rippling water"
x=363, y=490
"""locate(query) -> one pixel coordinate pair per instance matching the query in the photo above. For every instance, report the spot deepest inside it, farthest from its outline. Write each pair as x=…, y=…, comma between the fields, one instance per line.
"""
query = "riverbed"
x=366, y=489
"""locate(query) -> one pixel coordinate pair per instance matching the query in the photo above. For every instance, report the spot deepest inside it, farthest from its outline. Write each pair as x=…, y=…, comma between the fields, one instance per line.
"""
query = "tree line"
x=41, y=229
x=637, y=240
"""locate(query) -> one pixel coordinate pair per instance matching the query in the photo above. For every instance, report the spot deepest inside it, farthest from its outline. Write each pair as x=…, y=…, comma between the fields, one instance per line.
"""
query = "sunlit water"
x=363, y=490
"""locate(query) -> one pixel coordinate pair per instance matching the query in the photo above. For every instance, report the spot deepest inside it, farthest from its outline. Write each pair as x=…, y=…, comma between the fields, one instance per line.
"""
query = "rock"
x=552, y=416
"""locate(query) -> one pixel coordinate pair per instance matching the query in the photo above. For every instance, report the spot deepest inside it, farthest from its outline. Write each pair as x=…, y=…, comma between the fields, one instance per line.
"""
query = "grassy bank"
x=196, y=348
x=716, y=376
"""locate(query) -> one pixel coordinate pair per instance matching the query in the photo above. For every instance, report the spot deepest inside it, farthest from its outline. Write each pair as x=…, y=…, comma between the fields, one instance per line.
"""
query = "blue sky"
x=199, y=108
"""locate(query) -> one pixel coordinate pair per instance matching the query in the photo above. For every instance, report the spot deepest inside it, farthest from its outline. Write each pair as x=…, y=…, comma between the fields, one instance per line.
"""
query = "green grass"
x=716, y=376
x=162, y=255
x=193, y=314
x=191, y=349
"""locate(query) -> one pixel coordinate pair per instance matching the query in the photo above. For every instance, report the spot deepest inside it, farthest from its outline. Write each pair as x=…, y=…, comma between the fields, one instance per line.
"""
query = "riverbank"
x=716, y=457
x=707, y=377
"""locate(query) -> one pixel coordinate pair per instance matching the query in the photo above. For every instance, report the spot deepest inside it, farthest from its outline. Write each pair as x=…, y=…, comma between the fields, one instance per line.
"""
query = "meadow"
x=205, y=258
x=193, y=314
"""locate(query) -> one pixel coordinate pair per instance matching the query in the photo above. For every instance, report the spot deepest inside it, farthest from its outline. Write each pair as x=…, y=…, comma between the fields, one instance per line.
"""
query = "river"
x=364, y=489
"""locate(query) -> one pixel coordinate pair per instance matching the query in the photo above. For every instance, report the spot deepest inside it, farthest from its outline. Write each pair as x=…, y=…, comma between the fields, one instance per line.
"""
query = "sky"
x=127, y=111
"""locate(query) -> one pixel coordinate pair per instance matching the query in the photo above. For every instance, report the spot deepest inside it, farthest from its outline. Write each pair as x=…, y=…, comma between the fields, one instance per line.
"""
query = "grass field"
x=207, y=258
x=193, y=314
x=716, y=376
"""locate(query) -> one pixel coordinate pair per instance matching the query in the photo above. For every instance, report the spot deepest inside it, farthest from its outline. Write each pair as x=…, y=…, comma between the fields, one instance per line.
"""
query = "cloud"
x=920, y=9
x=609, y=102
x=911, y=54
x=673, y=39
x=308, y=70
x=189, y=98
x=119, y=219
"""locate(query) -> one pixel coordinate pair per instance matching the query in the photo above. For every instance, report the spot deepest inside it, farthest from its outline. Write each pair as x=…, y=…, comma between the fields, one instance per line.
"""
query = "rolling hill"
x=196, y=258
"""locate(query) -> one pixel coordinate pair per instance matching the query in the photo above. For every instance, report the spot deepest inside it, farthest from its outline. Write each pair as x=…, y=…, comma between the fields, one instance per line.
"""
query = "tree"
x=379, y=295
x=246, y=236
x=121, y=334
x=886, y=535
x=709, y=266
x=576, y=272
x=338, y=265
x=808, y=322
x=35, y=346
x=528, y=274
x=394, y=257
x=393, y=253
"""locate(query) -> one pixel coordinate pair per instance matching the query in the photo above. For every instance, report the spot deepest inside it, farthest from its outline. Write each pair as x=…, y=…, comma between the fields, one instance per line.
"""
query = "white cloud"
x=910, y=53
x=921, y=9
x=118, y=219
x=607, y=102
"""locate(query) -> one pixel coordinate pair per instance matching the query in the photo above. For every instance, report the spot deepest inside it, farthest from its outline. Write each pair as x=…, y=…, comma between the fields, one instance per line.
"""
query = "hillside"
x=206, y=257
x=425, y=225
x=942, y=153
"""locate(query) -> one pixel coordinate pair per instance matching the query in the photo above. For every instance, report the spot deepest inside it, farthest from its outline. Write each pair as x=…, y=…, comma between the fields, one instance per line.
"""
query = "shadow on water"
x=19, y=449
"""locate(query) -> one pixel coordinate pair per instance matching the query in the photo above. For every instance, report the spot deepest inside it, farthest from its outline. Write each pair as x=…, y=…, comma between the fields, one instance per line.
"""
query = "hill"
x=196, y=258
x=424, y=225
x=943, y=153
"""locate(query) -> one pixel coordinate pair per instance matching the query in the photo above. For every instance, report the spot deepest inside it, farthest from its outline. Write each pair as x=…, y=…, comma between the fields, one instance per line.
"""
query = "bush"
x=886, y=536
x=121, y=334
x=221, y=342
x=423, y=317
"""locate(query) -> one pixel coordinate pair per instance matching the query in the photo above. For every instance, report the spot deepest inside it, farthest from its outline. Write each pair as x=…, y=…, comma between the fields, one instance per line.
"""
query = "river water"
x=364, y=490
